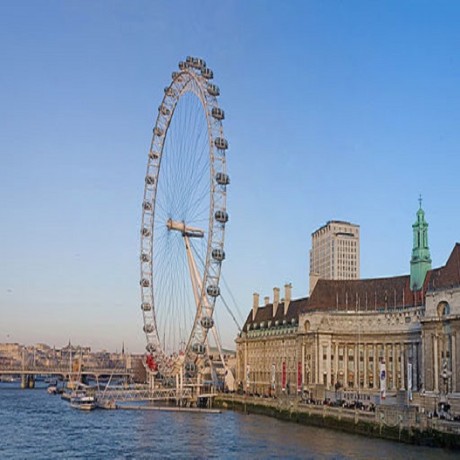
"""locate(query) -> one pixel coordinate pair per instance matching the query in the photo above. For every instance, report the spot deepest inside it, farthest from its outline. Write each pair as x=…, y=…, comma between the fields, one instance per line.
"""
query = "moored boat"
x=83, y=402
x=52, y=389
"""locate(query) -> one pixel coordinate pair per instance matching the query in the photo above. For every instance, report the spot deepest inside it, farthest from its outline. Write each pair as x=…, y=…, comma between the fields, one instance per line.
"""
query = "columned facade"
x=348, y=331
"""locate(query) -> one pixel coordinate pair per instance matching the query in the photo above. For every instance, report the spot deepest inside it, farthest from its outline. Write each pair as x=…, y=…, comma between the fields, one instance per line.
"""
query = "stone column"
x=303, y=365
x=393, y=366
x=387, y=362
x=319, y=361
x=345, y=364
x=243, y=379
x=365, y=364
x=336, y=361
x=415, y=380
x=436, y=364
x=402, y=364
x=328, y=364
x=375, y=367
x=356, y=357
x=454, y=363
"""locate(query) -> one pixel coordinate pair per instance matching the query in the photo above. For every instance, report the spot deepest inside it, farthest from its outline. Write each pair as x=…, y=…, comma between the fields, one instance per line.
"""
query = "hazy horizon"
x=334, y=110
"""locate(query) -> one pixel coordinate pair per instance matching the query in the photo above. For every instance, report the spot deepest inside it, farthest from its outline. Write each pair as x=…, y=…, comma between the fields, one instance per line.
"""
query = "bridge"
x=65, y=372
x=29, y=373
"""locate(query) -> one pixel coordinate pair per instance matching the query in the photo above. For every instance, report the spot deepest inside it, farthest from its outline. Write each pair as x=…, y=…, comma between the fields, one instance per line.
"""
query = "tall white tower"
x=334, y=252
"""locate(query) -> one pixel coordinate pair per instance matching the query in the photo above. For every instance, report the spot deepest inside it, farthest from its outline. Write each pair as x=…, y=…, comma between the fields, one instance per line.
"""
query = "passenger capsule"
x=146, y=231
x=221, y=143
x=153, y=155
x=218, y=113
x=158, y=131
x=190, y=367
x=197, y=63
x=207, y=73
x=198, y=348
x=213, y=290
x=189, y=60
x=169, y=91
x=182, y=65
x=221, y=216
x=145, y=257
x=146, y=306
x=164, y=110
x=207, y=322
x=222, y=179
x=218, y=254
x=213, y=90
x=147, y=206
x=151, y=348
x=145, y=282
x=174, y=75
x=149, y=180
x=148, y=328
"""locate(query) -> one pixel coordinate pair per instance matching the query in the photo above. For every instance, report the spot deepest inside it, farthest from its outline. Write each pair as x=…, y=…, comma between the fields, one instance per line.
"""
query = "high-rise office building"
x=334, y=252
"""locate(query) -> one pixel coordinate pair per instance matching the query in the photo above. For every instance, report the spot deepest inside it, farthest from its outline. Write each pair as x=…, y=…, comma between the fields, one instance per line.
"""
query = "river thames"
x=35, y=425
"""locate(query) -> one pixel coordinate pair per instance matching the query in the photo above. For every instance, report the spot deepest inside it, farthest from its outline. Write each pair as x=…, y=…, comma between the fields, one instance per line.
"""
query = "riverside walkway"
x=394, y=422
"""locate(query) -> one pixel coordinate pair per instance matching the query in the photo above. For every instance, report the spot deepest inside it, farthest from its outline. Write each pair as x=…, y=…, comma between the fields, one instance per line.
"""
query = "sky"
x=334, y=110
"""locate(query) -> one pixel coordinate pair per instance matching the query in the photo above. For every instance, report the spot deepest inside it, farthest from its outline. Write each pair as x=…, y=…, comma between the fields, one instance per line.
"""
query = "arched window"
x=443, y=309
x=307, y=326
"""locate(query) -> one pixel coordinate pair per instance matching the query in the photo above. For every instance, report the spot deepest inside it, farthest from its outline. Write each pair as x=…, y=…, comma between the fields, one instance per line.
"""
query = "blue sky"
x=334, y=110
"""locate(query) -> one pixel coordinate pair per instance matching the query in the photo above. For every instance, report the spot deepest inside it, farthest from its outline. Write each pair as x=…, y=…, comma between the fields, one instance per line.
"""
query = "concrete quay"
x=393, y=422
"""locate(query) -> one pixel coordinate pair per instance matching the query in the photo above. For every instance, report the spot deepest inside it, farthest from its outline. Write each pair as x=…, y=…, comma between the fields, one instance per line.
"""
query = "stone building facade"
x=376, y=337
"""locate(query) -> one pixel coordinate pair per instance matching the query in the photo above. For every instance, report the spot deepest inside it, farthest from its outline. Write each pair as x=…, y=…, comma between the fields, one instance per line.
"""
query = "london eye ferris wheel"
x=184, y=213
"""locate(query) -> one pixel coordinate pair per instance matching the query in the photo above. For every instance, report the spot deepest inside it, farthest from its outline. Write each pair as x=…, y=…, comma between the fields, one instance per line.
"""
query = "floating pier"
x=169, y=409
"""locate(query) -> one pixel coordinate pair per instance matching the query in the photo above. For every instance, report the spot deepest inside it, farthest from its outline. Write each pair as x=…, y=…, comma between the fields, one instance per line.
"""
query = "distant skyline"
x=334, y=111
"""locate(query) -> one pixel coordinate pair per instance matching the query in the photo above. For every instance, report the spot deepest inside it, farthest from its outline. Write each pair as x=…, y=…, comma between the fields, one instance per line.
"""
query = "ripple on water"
x=37, y=425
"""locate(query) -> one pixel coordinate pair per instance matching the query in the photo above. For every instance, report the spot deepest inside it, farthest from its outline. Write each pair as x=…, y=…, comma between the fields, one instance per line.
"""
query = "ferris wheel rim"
x=187, y=80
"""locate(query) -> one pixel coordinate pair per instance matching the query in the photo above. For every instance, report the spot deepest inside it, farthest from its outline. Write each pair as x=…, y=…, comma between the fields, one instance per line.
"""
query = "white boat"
x=83, y=402
x=52, y=389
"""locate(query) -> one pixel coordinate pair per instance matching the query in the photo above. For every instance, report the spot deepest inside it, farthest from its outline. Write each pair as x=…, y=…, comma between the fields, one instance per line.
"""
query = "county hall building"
x=384, y=337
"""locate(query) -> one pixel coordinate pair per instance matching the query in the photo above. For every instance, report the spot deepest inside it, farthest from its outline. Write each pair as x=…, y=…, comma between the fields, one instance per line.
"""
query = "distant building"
x=365, y=338
x=334, y=253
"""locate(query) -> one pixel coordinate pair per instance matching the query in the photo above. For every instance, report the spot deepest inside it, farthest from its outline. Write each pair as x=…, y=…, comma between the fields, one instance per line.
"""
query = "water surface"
x=35, y=425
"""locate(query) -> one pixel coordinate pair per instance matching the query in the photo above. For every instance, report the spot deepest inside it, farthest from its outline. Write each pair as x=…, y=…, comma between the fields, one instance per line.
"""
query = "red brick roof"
x=365, y=294
x=265, y=313
x=448, y=275
x=382, y=293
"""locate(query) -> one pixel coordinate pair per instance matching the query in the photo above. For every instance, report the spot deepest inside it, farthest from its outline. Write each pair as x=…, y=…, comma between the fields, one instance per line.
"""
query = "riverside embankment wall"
x=398, y=423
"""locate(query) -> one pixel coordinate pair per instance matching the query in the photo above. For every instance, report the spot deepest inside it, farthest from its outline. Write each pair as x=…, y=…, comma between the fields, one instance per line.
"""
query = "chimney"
x=255, y=305
x=276, y=299
x=287, y=296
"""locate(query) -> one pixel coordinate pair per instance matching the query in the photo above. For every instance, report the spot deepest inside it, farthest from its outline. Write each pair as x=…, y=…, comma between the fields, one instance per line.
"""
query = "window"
x=443, y=309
